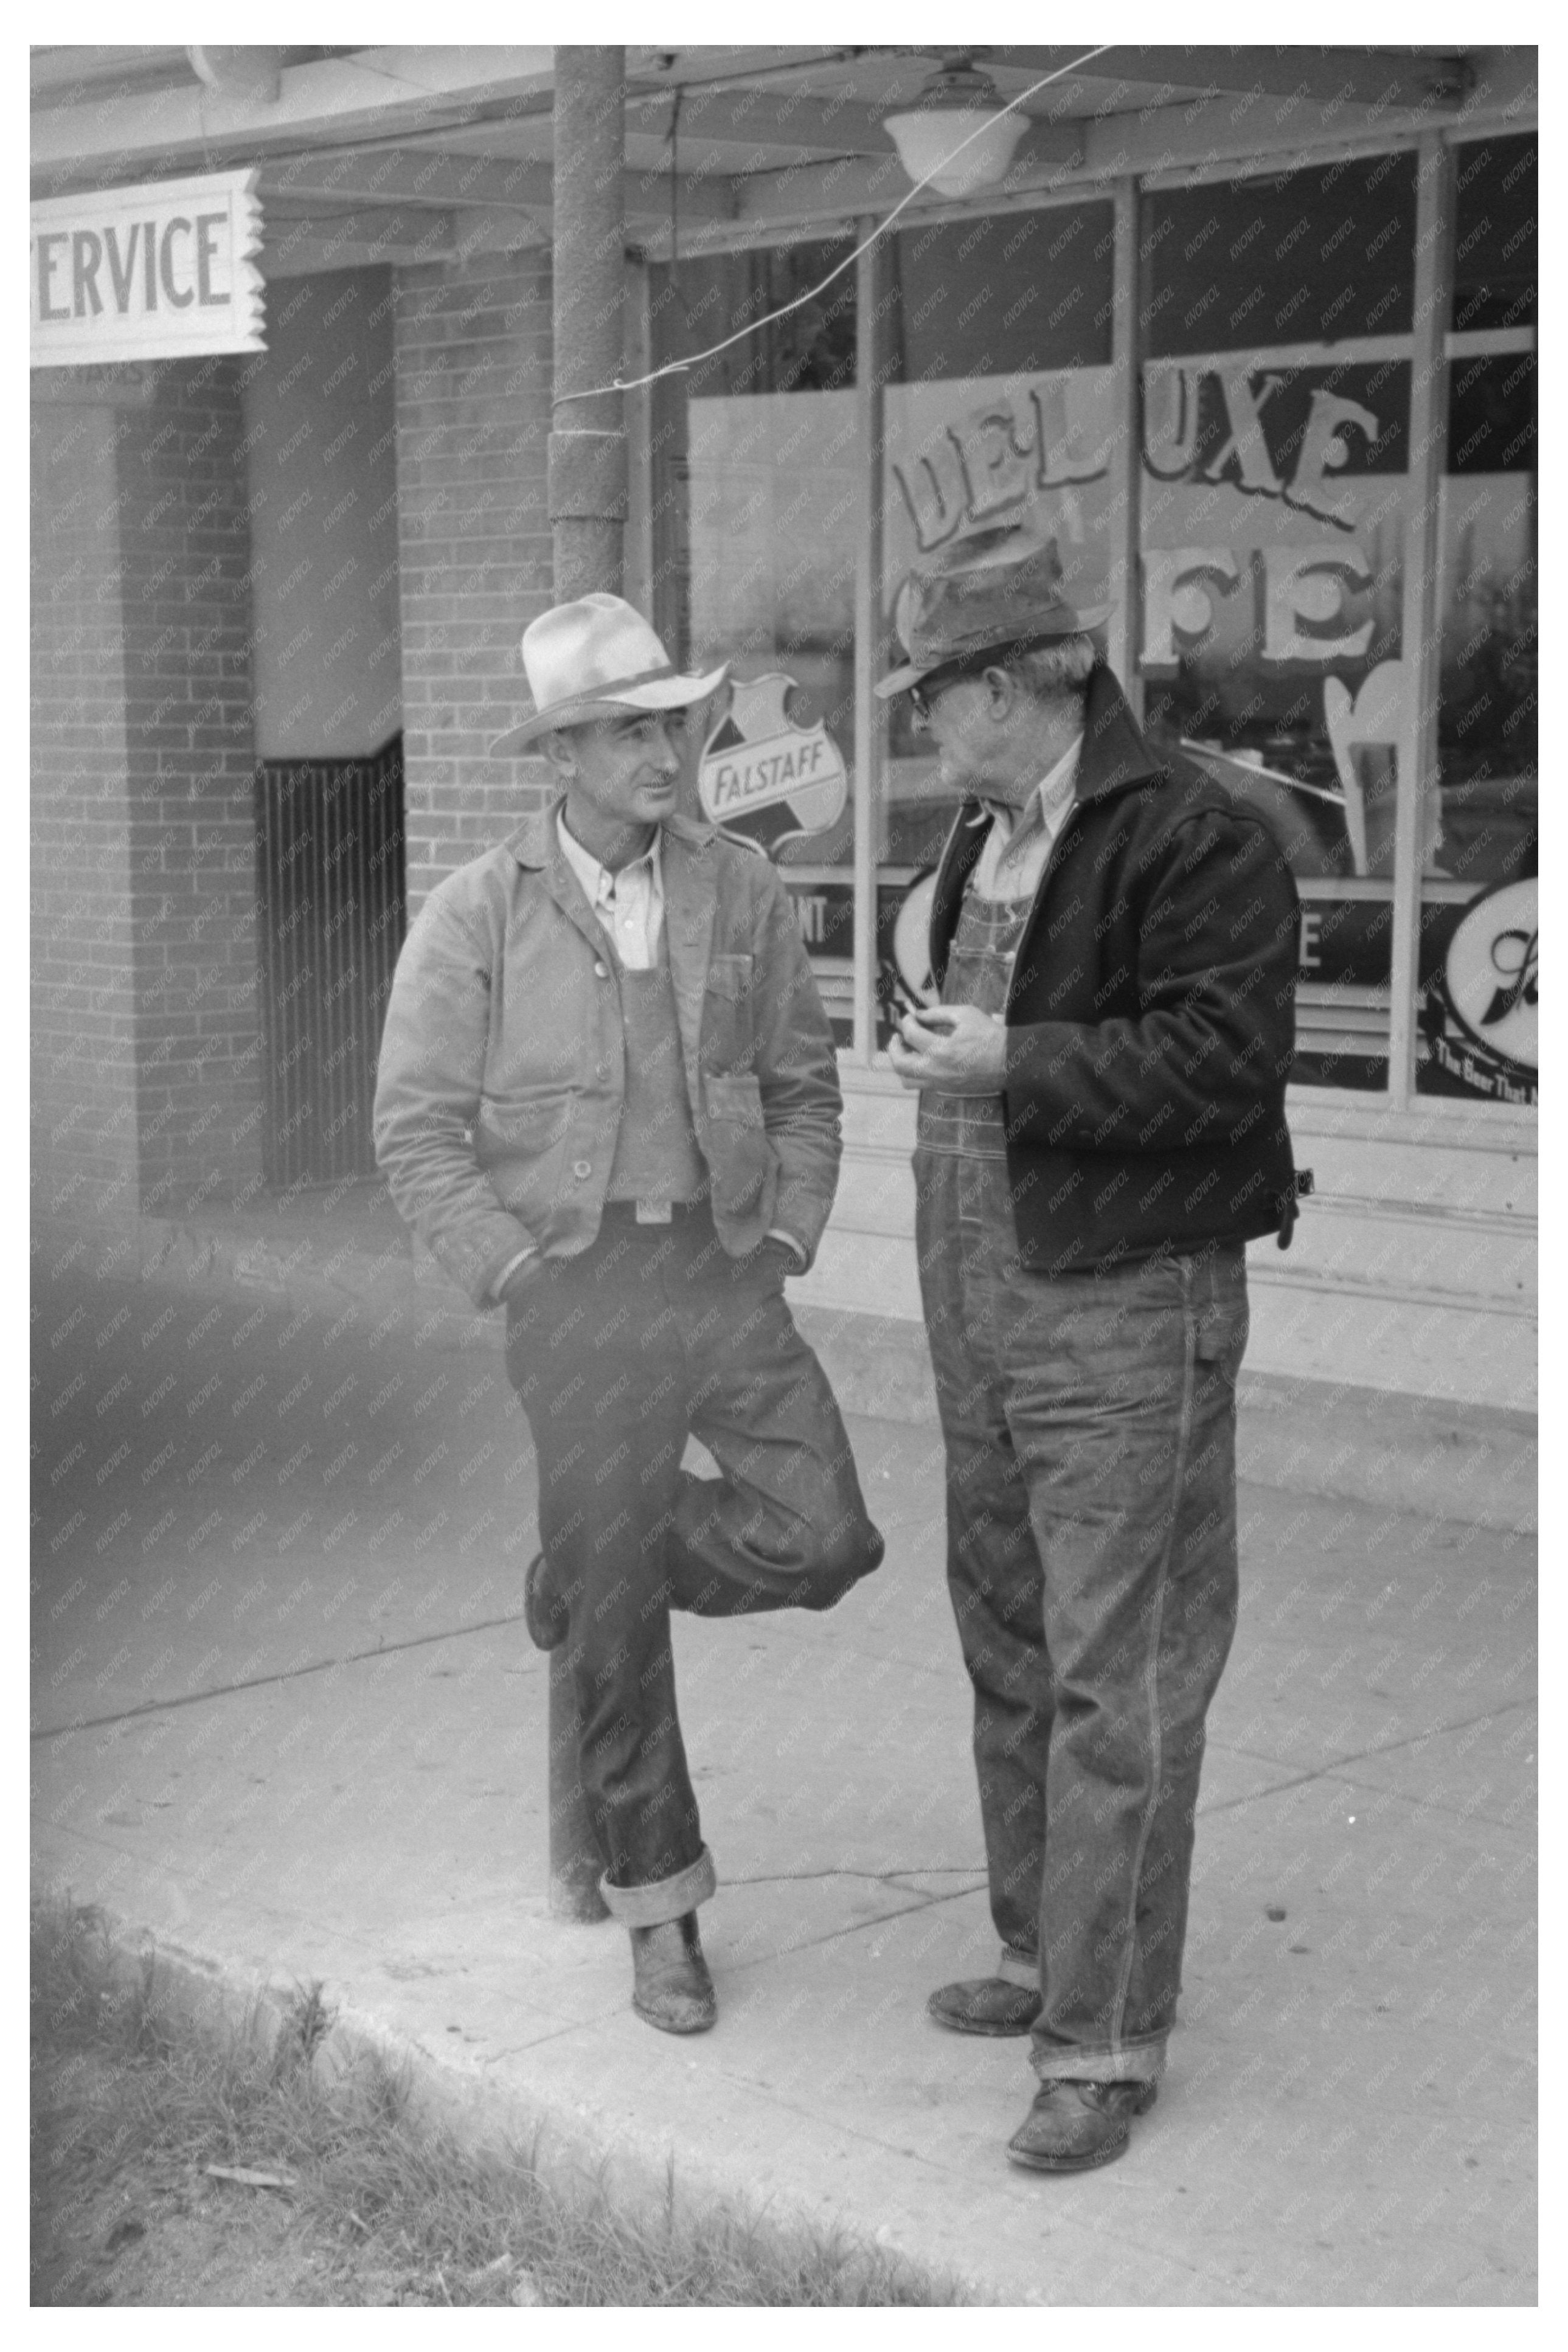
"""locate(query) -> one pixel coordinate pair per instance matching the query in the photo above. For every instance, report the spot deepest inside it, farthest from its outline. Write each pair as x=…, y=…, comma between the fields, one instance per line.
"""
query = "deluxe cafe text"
x=1251, y=332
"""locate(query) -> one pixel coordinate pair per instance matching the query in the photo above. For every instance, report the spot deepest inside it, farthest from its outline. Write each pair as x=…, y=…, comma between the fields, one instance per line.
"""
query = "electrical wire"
x=677, y=367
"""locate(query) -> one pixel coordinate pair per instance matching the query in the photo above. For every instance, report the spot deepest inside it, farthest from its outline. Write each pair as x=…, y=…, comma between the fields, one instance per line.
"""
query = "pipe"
x=587, y=497
x=587, y=449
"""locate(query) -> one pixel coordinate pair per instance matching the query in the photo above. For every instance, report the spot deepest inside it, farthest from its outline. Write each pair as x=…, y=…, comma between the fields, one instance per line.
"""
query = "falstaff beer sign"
x=162, y=271
x=765, y=776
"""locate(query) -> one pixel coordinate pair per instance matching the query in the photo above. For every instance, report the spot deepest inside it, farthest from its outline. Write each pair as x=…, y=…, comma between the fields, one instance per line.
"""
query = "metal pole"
x=587, y=493
x=1416, y=772
x=870, y=715
x=1126, y=469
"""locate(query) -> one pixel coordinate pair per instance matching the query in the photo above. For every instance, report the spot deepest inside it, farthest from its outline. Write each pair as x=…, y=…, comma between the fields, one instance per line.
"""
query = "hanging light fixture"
x=241, y=73
x=955, y=138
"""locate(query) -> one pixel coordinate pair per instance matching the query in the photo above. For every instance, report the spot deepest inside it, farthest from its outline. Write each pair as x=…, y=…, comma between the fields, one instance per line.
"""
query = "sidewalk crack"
x=286, y=1675
x=1337, y=1766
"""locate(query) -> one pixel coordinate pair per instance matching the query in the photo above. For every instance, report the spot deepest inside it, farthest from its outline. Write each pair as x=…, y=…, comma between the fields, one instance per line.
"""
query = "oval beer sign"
x=912, y=938
x=1492, y=972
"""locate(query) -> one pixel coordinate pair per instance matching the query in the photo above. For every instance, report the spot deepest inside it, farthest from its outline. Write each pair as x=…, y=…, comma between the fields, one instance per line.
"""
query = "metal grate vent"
x=329, y=884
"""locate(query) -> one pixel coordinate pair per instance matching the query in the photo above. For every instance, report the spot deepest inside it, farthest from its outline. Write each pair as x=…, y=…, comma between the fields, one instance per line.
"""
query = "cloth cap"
x=996, y=591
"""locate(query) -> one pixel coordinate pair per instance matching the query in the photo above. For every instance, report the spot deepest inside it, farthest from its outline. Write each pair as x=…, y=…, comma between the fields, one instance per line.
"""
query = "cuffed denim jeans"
x=617, y=1354
x=1090, y=1423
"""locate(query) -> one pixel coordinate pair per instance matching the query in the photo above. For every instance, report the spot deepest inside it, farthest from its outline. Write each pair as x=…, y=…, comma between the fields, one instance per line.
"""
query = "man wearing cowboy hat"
x=608, y=1102
x=1101, y=1127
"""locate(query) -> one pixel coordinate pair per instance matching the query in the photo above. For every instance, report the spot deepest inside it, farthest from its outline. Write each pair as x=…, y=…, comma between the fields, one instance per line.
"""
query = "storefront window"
x=1476, y=1019
x=1273, y=323
x=998, y=410
x=1275, y=318
x=756, y=496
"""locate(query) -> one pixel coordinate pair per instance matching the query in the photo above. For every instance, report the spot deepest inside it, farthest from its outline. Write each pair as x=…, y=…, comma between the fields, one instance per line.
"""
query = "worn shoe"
x=984, y=2005
x=1072, y=2125
x=542, y=1613
x=672, y=1988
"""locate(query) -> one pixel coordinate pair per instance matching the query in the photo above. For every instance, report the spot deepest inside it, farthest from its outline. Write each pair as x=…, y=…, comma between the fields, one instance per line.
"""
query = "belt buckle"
x=654, y=1213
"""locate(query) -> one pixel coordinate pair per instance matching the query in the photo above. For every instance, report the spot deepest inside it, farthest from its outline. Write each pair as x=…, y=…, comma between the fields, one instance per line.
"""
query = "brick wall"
x=84, y=1152
x=146, y=1054
x=473, y=411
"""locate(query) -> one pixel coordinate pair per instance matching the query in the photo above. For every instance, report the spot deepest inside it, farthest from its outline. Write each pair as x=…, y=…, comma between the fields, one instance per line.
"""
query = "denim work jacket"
x=503, y=1068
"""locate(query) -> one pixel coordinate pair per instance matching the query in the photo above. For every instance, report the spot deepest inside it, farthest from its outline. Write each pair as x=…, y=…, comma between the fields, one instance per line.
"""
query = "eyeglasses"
x=936, y=682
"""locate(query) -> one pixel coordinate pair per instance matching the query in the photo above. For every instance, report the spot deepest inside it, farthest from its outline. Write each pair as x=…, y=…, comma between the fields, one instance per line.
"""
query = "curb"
x=569, y=2153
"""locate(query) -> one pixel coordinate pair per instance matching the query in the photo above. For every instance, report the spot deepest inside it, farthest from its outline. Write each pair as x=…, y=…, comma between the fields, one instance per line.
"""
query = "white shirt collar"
x=598, y=882
x=1051, y=797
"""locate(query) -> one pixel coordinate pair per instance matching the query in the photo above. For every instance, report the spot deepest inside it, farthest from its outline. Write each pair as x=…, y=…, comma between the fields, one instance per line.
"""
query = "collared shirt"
x=629, y=905
x=1019, y=844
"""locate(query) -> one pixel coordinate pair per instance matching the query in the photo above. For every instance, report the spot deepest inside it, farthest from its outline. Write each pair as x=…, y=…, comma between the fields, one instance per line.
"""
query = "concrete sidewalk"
x=287, y=1720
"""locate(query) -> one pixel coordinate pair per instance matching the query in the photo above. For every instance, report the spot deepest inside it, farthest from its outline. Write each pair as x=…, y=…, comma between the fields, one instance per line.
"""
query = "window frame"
x=1396, y=1109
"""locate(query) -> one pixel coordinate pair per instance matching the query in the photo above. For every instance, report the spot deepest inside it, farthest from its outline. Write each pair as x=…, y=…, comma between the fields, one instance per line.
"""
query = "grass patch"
x=133, y=2099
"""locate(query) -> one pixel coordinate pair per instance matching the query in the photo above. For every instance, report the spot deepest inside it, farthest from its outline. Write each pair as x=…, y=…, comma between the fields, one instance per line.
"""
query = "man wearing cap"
x=607, y=1101
x=1101, y=1127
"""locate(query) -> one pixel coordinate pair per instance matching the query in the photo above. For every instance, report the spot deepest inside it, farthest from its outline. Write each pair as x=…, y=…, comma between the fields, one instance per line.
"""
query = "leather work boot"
x=672, y=1988
x=1072, y=2125
x=993, y=2005
x=542, y=1613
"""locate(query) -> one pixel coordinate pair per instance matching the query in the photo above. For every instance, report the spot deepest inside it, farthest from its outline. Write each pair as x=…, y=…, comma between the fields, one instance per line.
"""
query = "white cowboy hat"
x=593, y=658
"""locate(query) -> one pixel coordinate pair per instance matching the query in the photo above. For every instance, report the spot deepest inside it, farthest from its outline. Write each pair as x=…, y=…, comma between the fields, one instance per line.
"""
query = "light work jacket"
x=503, y=1067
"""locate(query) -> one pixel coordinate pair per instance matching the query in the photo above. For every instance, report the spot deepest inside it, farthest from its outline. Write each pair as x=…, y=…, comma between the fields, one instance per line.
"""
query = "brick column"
x=190, y=768
x=84, y=1146
x=146, y=1057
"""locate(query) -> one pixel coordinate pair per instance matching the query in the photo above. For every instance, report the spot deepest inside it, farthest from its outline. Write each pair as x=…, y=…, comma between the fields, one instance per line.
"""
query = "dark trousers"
x=1089, y=1423
x=653, y=1334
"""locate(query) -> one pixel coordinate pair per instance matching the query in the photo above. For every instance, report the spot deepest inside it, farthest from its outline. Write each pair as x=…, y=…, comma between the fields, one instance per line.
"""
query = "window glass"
x=756, y=494
x=1276, y=382
x=998, y=408
x=1495, y=257
x=1478, y=976
x=1301, y=258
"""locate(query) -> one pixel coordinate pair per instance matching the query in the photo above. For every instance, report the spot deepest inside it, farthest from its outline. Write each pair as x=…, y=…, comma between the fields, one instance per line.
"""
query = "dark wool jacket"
x=1151, y=1018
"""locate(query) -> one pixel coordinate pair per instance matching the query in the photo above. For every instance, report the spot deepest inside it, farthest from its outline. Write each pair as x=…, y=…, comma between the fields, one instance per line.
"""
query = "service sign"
x=164, y=271
x=764, y=776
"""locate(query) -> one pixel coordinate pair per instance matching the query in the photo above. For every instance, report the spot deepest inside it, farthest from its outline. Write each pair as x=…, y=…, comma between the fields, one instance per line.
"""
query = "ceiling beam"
x=647, y=67
x=70, y=74
x=708, y=196
x=425, y=175
x=478, y=229
x=306, y=246
x=1371, y=77
x=376, y=91
x=820, y=125
x=442, y=178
